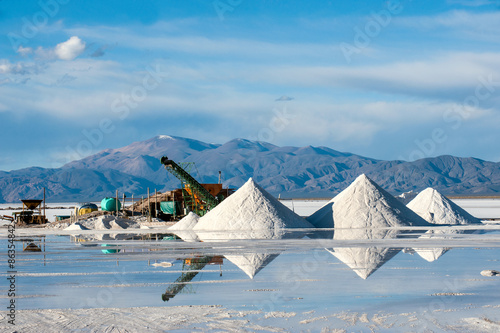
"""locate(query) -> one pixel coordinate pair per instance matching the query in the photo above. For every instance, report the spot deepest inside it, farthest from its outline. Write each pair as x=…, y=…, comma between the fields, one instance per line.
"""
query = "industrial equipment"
x=87, y=208
x=197, y=198
x=111, y=204
x=29, y=215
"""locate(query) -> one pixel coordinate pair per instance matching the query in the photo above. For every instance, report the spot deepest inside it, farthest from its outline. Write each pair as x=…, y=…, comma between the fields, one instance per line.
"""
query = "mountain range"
x=287, y=171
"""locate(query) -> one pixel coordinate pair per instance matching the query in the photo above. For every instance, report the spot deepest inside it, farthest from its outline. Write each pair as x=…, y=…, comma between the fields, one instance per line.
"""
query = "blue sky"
x=384, y=79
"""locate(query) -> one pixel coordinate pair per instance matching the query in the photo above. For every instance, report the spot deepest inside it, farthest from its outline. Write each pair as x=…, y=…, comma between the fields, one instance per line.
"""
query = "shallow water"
x=293, y=274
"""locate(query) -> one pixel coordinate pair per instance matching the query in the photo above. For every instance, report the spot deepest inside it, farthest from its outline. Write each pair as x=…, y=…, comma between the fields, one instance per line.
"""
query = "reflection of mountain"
x=364, y=261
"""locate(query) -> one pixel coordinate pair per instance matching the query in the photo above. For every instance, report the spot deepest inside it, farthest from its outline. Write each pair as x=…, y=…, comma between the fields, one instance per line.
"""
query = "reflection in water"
x=364, y=261
x=432, y=254
x=191, y=267
x=251, y=263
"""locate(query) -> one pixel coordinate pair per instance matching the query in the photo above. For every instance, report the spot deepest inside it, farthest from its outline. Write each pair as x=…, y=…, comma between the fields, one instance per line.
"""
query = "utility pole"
x=149, y=207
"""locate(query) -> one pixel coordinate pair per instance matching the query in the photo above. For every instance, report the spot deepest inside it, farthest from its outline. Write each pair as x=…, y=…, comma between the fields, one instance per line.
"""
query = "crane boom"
x=186, y=178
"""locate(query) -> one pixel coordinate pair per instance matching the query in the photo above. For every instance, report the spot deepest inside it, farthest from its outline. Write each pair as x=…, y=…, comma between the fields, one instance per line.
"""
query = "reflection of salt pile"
x=251, y=263
x=438, y=209
x=365, y=261
x=361, y=212
x=184, y=228
x=249, y=213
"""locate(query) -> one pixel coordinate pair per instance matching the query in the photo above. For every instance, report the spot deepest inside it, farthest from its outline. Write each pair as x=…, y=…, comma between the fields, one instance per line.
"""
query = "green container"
x=170, y=207
x=110, y=204
x=109, y=251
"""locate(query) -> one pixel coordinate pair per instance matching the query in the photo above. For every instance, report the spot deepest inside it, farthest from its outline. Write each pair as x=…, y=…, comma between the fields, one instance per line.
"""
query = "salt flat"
x=73, y=285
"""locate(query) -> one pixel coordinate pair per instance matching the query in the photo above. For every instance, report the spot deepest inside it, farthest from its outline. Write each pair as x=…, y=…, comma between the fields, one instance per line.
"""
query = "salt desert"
x=144, y=280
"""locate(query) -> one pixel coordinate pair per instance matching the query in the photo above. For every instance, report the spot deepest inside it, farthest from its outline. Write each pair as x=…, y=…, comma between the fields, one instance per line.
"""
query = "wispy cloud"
x=458, y=23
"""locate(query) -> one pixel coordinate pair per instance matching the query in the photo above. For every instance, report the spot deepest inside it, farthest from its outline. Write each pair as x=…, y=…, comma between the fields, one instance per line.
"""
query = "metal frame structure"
x=196, y=197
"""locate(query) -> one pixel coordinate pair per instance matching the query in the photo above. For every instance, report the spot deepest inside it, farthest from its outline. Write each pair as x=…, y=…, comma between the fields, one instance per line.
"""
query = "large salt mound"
x=364, y=204
x=250, y=209
x=438, y=209
x=184, y=228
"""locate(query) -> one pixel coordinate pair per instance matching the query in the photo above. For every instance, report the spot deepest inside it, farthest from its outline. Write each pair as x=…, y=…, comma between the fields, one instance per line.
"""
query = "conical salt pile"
x=362, y=212
x=364, y=204
x=438, y=209
x=184, y=228
x=250, y=210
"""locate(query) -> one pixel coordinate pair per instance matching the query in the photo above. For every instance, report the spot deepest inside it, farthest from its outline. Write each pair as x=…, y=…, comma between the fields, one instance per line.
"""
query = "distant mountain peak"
x=165, y=137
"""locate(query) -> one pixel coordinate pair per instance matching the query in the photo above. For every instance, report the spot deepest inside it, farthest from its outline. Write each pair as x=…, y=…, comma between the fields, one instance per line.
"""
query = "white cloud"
x=24, y=51
x=70, y=49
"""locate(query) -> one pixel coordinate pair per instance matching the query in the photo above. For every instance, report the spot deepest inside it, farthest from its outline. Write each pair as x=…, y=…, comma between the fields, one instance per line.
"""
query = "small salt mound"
x=252, y=209
x=364, y=204
x=438, y=209
x=107, y=222
x=184, y=228
x=76, y=226
x=490, y=272
x=187, y=223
